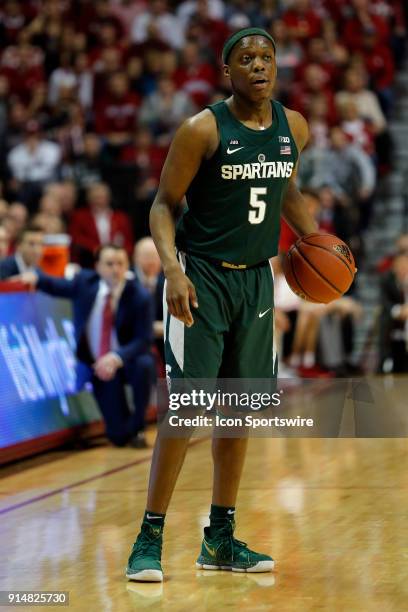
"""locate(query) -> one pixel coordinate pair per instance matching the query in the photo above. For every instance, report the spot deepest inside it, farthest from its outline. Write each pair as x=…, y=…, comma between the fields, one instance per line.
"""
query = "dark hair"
x=31, y=228
x=104, y=247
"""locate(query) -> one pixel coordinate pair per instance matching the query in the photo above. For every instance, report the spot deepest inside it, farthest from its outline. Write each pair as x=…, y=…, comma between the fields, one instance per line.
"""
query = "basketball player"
x=236, y=162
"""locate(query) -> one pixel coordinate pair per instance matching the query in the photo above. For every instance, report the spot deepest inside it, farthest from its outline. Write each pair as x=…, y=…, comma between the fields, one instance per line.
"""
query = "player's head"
x=249, y=61
x=112, y=264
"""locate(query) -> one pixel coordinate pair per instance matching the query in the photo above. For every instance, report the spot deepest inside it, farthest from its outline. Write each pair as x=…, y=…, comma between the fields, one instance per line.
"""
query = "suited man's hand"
x=106, y=367
x=29, y=278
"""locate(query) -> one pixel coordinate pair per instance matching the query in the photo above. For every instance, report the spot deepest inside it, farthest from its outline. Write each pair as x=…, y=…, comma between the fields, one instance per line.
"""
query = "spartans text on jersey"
x=257, y=170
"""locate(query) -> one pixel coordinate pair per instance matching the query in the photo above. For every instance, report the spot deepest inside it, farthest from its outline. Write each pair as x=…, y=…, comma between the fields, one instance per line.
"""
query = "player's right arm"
x=195, y=140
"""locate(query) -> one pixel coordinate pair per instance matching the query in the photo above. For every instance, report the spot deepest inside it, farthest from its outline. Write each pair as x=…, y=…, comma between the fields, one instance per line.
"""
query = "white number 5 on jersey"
x=257, y=214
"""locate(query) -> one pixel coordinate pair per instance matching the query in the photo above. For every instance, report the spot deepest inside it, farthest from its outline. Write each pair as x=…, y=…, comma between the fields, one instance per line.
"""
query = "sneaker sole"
x=261, y=566
x=147, y=575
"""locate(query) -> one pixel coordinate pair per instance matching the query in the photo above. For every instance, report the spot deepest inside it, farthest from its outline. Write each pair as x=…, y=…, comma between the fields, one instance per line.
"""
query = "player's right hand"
x=179, y=294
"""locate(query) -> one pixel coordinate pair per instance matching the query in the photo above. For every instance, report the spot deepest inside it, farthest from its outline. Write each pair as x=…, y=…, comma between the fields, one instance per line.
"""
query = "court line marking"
x=37, y=498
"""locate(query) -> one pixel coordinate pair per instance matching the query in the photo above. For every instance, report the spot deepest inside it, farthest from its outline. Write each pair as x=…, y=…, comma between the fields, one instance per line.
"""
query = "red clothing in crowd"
x=331, y=71
x=87, y=20
x=287, y=237
x=197, y=81
x=149, y=161
x=301, y=100
x=116, y=116
x=302, y=26
x=22, y=81
x=84, y=232
x=380, y=66
x=354, y=31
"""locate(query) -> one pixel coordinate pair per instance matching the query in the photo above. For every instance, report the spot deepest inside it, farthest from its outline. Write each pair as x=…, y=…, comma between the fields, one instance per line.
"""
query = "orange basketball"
x=319, y=268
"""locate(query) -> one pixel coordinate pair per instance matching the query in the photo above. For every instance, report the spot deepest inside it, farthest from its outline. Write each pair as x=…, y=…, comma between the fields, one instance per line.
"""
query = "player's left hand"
x=106, y=367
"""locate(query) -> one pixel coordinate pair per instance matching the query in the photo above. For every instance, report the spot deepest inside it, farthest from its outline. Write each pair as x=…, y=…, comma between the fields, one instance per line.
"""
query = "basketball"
x=319, y=268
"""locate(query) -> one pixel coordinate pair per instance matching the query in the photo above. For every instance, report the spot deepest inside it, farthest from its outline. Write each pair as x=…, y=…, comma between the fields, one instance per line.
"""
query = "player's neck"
x=257, y=115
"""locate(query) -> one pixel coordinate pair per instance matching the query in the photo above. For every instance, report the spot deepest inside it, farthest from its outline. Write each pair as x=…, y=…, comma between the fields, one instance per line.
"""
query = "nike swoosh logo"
x=229, y=151
x=262, y=314
x=209, y=549
x=229, y=511
x=151, y=516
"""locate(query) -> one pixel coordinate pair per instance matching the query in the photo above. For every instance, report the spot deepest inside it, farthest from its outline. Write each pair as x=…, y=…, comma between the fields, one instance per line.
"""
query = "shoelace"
x=228, y=532
x=146, y=543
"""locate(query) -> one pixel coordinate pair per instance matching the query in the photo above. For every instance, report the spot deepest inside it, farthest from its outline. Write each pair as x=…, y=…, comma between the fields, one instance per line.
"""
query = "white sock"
x=294, y=360
x=309, y=359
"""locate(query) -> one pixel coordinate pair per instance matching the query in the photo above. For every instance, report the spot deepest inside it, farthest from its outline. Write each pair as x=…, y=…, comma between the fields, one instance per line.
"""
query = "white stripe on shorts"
x=176, y=327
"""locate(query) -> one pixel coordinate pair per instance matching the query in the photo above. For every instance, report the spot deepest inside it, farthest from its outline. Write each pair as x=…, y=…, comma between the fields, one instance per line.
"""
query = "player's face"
x=252, y=68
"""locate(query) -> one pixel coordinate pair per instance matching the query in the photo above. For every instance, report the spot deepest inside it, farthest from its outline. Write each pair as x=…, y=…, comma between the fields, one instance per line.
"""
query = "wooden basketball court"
x=333, y=513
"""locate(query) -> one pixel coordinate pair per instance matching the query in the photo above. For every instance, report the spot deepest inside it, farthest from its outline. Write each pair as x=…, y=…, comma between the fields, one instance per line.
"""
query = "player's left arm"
x=293, y=206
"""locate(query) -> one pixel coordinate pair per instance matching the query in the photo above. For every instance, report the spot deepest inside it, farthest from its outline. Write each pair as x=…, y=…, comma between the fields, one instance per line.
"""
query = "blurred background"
x=91, y=93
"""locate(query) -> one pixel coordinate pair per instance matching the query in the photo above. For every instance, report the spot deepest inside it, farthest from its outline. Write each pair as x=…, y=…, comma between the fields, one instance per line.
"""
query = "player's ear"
x=226, y=70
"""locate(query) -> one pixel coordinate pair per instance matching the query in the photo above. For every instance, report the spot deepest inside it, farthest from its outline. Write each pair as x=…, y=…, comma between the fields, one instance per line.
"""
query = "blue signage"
x=38, y=369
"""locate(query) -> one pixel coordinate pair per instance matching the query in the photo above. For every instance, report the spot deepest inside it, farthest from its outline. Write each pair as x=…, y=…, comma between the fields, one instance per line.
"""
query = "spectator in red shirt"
x=209, y=33
x=362, y=22
x=379, y=64
x=22, y=66
x=315, y=82
x=302, y=21
x=98, y=224
x=317, y=53
x=107, y=39
x=94, y=17
x=195, y=76
x=12, y=21
x=108, y=65
x=116, y=116
x=148, y=159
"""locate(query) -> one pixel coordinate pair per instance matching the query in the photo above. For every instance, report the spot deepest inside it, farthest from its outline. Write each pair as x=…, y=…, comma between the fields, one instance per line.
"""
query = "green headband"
x=232, y=40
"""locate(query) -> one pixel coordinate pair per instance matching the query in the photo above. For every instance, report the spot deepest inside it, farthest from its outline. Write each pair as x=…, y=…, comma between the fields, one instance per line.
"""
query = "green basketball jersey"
x=234, y=201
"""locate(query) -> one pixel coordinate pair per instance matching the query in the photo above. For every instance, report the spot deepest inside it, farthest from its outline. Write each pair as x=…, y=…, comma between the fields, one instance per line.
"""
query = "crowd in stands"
x=92, y=91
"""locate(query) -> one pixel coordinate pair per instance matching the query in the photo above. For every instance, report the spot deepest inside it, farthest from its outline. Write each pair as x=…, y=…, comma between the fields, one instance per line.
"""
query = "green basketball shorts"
x=233, y=332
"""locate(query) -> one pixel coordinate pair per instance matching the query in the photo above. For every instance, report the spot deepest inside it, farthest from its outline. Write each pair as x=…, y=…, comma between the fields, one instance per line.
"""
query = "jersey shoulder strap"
x=279, y=110
x=222, y=117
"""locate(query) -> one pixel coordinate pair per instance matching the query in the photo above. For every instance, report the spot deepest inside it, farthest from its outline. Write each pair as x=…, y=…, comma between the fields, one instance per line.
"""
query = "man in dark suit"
x=113, y=328
x=148, y=271
x=394, y=315
x=28, y=253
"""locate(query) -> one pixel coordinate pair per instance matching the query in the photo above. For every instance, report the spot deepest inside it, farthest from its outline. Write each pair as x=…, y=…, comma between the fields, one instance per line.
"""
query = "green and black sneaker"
x=223, y=551
x=144, y=562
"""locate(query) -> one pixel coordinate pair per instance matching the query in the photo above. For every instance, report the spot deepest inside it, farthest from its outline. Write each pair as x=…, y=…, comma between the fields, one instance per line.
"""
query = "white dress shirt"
x=103, y=226
x=21, y=264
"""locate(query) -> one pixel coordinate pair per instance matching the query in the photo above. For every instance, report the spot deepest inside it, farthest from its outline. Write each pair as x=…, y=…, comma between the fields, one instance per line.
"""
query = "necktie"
x=107, y=326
